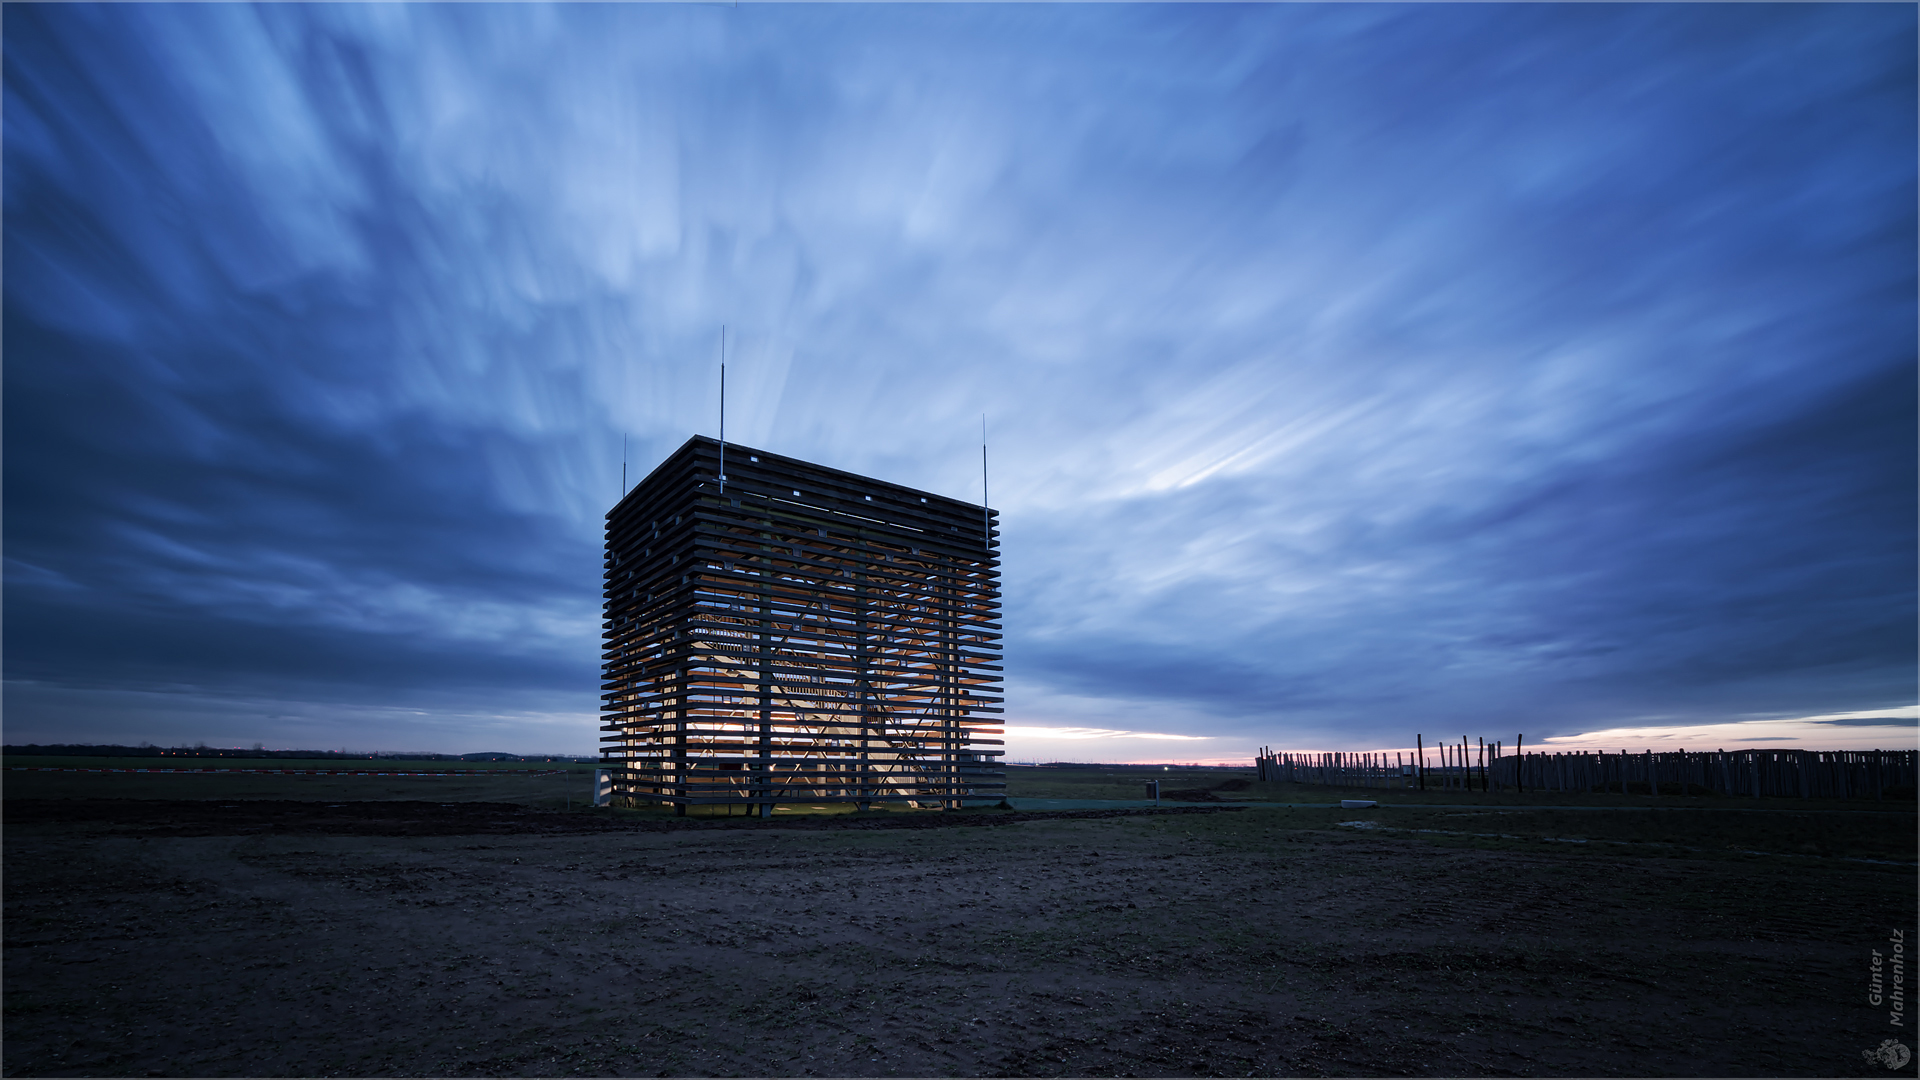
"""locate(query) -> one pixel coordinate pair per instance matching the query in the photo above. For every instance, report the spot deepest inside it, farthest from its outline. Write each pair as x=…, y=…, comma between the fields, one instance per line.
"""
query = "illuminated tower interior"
x=798, y=634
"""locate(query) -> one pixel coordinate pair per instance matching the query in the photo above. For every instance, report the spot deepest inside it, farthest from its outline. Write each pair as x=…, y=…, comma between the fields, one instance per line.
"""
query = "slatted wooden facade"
x=805, y=635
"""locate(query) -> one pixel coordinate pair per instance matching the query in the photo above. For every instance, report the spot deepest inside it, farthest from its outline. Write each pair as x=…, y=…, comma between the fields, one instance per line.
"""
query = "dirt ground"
x=397, y=934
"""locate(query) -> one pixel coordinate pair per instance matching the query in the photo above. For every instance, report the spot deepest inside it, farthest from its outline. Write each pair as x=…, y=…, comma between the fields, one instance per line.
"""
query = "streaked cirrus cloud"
x=1351, y=370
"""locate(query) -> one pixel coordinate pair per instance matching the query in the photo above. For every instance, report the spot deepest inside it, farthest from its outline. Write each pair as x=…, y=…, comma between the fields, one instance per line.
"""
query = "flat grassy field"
x=558, y=789
x=56, y=761
x=1239, y=785
x=1696, y=826
x=258, y=925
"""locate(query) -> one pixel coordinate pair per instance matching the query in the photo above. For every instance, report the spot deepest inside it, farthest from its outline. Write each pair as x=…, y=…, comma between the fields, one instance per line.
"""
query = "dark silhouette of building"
x=798, y=633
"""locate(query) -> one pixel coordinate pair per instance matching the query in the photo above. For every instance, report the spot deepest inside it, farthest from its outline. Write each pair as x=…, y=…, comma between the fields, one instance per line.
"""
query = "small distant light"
x=869, y=498
x=796, y=493
x=753, y=457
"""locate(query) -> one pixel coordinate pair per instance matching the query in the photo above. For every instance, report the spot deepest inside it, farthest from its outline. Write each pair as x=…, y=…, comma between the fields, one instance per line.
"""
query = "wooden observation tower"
x=798, y=634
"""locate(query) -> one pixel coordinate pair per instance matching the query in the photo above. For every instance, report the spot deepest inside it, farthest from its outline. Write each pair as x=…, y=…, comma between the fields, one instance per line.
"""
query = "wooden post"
x=1520, y=763
x=1420, y=758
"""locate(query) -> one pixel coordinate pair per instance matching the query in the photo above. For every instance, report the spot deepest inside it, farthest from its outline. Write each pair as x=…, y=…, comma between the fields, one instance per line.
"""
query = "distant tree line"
x=257, y=751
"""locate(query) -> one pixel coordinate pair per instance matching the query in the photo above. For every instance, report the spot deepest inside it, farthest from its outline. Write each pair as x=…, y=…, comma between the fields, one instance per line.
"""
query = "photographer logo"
x=1892, y=1054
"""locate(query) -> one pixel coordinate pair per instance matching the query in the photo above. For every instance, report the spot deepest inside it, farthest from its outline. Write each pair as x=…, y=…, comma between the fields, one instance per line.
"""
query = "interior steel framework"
x=786, y=632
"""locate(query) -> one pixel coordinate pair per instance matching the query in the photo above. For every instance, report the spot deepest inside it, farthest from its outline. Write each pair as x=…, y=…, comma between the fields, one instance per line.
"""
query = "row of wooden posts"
x=1484, y=766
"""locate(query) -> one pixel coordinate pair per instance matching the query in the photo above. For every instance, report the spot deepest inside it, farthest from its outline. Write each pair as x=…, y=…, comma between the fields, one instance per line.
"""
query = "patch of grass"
x=1690, y=832
x=1238, y=785
x=540, y=790
x=183, y=763
x=1111, y=783
x=1724, y=829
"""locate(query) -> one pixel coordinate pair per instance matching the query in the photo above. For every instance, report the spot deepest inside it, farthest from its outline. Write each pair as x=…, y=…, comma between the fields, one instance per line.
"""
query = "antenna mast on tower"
x=986, y=520
x=723, y=408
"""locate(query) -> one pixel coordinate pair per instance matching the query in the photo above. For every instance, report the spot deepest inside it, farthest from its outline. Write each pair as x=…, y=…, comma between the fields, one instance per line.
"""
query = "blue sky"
x=1352, y=371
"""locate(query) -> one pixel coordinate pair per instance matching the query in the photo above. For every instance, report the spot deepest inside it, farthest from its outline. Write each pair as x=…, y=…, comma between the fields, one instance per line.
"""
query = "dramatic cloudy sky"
x=1353, y=371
